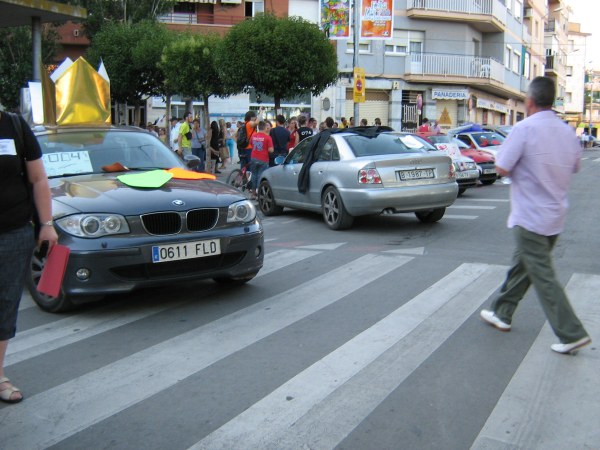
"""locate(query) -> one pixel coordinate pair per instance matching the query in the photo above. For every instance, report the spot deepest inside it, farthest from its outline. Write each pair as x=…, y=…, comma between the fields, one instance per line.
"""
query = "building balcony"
x=487, y=16
x=211, y=21
x=479, y=72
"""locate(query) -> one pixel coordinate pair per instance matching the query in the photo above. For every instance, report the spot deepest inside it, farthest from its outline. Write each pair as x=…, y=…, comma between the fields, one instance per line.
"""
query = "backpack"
x=243, y=140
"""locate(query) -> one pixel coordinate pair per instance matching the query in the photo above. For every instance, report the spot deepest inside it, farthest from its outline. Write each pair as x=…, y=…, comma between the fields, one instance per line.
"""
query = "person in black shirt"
x=20, y=166
x=281, y=138
x=303, y=131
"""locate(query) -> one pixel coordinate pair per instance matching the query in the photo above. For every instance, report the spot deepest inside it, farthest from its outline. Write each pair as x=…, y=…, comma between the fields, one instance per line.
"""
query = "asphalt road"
x=361, y=339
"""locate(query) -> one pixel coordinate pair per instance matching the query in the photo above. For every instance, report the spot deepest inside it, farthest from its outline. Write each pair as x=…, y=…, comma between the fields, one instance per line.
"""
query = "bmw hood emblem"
x=178, y=202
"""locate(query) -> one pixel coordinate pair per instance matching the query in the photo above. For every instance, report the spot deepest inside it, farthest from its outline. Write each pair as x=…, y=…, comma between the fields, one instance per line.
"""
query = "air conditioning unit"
x=395, y=85
x=528, y=13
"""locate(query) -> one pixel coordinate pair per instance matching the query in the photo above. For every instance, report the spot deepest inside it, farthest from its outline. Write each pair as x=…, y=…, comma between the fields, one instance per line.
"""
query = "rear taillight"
x=452, y=172
x=368, y=176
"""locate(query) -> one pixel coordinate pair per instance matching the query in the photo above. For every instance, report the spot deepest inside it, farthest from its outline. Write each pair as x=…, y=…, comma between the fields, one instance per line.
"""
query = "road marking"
x=597, y=160
x=320, y=406
x=455, y=206
x=552, y=399
x=460, y=217
x=498, y=200
x=322, y=246
x=37, y=341
x=407, y=251
x=77, y=404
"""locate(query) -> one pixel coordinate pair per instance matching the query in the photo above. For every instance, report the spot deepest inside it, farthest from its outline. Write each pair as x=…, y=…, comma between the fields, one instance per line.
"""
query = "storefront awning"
x=233, y=2
x=202, y=1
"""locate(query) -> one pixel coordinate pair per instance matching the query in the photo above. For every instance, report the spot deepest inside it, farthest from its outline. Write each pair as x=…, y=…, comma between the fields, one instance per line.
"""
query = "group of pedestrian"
x=188, y=137
x=428, y=126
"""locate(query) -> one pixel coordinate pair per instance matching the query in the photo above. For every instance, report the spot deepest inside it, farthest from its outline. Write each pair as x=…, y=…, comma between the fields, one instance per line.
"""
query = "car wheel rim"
x=331, y=208
x=265, y=198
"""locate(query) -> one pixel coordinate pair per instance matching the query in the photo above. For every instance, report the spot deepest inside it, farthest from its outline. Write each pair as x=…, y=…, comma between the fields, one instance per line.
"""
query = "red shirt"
x=261, y=144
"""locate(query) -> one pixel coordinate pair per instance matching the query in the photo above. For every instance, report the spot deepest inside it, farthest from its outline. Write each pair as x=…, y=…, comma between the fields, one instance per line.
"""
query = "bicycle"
x=241, y=178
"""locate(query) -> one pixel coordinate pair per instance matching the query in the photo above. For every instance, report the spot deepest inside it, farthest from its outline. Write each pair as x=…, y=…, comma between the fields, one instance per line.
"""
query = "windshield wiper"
x=71, y=174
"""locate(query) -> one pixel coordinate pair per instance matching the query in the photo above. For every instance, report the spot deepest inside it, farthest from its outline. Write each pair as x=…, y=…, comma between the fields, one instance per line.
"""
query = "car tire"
x=235, y=281
x=488, y=182
x=51, y=304
x=266, y=200
x=461, y=190
x=334, y=212
x=431, y=216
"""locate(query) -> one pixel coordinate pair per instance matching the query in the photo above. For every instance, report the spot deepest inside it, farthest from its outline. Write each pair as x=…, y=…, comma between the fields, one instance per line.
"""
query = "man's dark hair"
x=302, y=120
x=329, y=122
x=249, y=116
x=425, y=120
x=280, y=119
x=262, y=125
x=542, y=91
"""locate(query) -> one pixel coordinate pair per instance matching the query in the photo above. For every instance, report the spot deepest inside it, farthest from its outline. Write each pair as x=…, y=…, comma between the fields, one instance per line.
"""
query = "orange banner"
x=377, y=19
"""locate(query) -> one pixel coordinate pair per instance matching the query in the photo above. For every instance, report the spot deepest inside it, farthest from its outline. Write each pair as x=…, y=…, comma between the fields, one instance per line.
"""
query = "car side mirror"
x=191, y=161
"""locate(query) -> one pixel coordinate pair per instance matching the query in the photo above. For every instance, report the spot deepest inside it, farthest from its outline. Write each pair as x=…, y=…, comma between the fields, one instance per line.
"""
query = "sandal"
x=6, y=394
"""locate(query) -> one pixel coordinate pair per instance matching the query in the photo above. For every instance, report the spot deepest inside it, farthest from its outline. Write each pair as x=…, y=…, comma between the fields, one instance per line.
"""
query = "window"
x=507, y=56
x=402, y=40
x=509, y=5
x=518, y=9
x=569, y=71
x=526, y=68
x=516, y=62
x=255, y=7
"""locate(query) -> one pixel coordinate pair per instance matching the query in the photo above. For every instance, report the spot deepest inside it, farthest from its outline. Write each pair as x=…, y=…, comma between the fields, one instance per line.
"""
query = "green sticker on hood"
x=152, y=179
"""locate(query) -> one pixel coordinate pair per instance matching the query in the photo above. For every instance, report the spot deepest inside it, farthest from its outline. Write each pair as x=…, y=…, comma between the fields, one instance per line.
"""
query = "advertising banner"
x=377, y=19
x=360, y=86
x=335, y=18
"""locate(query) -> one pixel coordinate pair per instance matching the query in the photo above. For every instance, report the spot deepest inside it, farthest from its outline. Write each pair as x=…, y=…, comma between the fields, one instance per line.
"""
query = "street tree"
x=280, y=57
x=190, y=66
x=16, y=60
x=131, y=53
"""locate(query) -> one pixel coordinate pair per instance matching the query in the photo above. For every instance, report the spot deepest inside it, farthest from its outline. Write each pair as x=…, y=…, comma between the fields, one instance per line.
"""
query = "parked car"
x=362, y=171
x=465, y=168
x=123, y=238
x=501, y=129
x=489, y=141
x=486, y=163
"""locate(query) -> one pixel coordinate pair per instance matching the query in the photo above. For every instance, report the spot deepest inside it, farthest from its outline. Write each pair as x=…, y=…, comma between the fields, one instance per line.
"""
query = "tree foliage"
x=190, y=66
x=16, y=60
x=281, y=57
x=131, y=54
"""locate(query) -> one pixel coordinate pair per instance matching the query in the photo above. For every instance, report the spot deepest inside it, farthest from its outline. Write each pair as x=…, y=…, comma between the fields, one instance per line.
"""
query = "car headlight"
x=93, y=225
x=470, y=165
x=243, y=211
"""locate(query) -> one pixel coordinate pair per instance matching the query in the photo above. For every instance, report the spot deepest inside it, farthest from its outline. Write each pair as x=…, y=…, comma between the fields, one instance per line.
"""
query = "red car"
x=486, y=163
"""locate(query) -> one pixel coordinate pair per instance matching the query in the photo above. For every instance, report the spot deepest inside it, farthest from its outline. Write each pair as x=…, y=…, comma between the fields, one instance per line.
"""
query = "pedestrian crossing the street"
x=318, y=377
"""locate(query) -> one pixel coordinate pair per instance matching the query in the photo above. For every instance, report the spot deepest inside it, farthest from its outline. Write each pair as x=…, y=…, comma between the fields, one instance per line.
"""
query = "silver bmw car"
x=361, y=171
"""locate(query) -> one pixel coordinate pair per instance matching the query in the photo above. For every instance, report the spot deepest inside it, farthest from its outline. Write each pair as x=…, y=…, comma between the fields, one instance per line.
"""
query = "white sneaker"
x=568, y=348
x=494, y=321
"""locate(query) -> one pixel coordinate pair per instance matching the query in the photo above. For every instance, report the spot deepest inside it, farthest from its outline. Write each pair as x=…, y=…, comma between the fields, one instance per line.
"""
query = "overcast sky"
x=587, y=13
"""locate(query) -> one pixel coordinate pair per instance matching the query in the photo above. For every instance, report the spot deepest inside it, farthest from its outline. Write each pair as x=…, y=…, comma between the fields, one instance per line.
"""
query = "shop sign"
x=494, y=106
x=445, y=94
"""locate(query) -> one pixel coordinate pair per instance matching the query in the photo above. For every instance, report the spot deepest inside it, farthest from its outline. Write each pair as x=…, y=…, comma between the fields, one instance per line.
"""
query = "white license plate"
x=416, y=174
x=186, y=250
x=461, y=175
x=489, y=170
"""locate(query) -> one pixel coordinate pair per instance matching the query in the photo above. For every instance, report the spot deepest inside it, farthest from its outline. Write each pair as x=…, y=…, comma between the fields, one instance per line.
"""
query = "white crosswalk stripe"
x=321, y=403
x=297, y=415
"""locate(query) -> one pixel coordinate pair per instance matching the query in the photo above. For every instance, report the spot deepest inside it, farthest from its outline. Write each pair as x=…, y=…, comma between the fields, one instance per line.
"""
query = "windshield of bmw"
x=90, y=151
x=387, y=144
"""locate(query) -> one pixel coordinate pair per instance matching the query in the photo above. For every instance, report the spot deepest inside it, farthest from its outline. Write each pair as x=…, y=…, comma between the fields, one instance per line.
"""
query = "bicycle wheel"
x=236, y=179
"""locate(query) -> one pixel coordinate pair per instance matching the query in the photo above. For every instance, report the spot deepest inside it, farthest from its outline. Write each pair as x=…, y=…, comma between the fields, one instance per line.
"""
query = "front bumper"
x=119, y=270
x=367, y=201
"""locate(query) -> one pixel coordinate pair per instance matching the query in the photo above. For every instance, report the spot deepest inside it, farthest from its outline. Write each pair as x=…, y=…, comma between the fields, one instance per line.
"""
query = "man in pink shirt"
x=540, y=155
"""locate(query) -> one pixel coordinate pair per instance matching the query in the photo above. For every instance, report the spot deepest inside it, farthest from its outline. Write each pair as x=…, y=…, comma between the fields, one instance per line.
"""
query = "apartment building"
x=557, y=48
x=575, y=100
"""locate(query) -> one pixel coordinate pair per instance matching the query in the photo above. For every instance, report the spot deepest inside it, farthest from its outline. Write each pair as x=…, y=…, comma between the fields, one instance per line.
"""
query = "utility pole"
x=356, y=50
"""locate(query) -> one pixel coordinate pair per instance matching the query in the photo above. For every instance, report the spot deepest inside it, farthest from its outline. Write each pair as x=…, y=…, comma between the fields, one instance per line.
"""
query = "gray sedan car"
x=124, y=238
x=359, y=172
